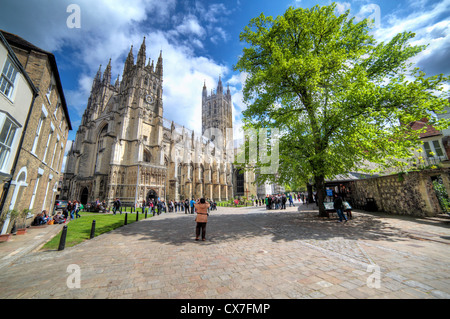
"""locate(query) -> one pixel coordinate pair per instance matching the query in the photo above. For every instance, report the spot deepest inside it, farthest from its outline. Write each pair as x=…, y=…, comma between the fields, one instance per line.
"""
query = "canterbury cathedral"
x=124, y=147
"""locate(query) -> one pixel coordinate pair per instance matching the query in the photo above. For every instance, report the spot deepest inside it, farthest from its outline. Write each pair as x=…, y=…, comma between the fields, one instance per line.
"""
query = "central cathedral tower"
x=217, y=114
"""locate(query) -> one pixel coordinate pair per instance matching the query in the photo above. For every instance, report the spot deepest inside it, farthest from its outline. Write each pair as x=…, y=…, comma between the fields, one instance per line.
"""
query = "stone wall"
x=402, y=194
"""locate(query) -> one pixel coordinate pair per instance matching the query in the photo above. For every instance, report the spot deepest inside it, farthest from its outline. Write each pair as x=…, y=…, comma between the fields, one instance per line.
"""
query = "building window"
x=6, y=140
x=52, y=128
x=8, y=78
x=239, y=183
x=35, y=189
x=100, y=147
x=38, y=132
x=147, y=157
x=55, y=114
x=49, y=92
x=433, y=149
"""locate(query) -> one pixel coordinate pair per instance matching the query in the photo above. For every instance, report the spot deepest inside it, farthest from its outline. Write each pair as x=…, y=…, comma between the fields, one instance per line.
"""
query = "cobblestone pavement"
x=249, y=253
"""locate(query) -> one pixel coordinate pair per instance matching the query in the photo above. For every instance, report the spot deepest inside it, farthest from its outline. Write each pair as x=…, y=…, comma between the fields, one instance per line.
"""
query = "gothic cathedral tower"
x=120, y=129
x=125, y=149
x=217, y=115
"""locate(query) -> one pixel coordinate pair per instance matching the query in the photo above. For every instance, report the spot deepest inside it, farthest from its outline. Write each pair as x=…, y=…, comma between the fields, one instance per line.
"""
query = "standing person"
x=186, y=206
x=77, y=209
x=70, y=208
x=191, y=203
x=283, y=201
x=201, y=219
x=339, y=207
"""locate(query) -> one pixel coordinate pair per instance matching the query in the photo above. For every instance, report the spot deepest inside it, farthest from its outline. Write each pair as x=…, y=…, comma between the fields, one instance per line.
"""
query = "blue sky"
x=199, y=40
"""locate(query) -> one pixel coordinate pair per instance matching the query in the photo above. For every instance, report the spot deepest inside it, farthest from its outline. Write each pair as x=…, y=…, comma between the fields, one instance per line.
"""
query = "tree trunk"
x=320, y=193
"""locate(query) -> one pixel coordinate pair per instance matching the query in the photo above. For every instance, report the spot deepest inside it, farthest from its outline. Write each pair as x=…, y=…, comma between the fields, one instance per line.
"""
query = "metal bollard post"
x=126, y=217
x=137, y=215
x=146, y=210
x=92, y=230
x=62, y=241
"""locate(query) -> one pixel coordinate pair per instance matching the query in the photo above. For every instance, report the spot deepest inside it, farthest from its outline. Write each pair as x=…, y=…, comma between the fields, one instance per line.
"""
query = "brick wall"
x=39, y=162
x=402, y=194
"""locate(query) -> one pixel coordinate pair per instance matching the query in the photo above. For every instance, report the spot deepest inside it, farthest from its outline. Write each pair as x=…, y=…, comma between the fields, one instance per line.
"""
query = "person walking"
x=339, y=207
x=201, y=209
x=116, y=206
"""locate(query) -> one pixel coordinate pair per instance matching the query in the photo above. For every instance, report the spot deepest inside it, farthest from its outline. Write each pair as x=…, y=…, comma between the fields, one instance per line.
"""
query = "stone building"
x=125, y=148
x=17, y=94
x=38, y=166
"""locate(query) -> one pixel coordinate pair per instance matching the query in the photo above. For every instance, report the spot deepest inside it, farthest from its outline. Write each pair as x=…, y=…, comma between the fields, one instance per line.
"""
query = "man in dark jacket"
x=339, y=207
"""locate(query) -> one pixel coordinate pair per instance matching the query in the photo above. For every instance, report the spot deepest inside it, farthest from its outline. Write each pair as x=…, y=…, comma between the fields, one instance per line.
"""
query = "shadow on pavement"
x=282, y=226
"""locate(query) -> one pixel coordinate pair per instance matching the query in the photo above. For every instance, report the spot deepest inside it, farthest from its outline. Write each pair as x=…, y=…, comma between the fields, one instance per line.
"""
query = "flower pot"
x=21, y=231
x=5, y=237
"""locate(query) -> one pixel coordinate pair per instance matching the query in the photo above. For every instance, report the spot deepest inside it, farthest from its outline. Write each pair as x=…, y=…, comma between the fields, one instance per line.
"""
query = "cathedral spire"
x=129, y=62
x=98, y=76
x=107, y=73
x=204, y=93
x=159, y=65
x=219, y=86
x=117, y=82
x=97, y=79
x=141, y=55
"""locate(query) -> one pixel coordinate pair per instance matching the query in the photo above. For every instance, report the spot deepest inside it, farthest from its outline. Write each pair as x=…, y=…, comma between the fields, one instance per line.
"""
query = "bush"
x=442, y=196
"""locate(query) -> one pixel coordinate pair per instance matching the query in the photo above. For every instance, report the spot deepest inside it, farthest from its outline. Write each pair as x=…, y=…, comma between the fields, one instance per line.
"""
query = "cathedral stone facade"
x=125, y=148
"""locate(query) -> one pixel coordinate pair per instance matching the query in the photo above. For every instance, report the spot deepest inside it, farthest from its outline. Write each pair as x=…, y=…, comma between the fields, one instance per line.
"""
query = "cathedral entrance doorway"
x=152, y=195
x=84, y=196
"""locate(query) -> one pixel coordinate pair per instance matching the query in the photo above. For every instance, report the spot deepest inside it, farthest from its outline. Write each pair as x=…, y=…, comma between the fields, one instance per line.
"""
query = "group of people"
x=72, y=210
x=158, y=206
x=278, y=201
x=187, y=206
x=44, y=219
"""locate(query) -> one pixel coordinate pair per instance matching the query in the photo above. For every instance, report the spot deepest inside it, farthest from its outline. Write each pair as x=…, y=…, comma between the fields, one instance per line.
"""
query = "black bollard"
x=126, y=217
x=137, y=215
x=146, y=210
x=62, y=241
x=92, y=230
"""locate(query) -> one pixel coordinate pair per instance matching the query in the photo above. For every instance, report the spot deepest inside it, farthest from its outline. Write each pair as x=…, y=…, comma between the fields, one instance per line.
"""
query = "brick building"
x=17, y=94
x=37, y=170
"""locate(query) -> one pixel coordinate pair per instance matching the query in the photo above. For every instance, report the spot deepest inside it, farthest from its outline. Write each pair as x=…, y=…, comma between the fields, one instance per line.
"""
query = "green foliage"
x=339, y=98
x=442, y=196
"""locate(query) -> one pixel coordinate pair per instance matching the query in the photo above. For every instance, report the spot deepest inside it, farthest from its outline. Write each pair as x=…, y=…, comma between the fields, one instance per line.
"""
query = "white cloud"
x=429, y=28
x=190, y=25
x=341, y=7
x=110, y=27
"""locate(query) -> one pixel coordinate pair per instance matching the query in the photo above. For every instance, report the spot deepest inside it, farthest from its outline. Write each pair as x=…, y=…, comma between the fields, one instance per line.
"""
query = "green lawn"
x=79, y=230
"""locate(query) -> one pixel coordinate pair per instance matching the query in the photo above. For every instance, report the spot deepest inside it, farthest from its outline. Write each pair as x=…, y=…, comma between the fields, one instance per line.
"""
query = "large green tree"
x=338, y=98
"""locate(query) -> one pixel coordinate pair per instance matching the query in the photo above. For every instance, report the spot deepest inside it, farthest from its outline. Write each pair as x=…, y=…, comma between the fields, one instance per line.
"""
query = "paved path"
x=249, y=253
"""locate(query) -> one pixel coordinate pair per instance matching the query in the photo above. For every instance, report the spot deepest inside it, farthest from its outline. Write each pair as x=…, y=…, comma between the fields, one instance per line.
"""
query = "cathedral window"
x=147, y=157
x=100, y=147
